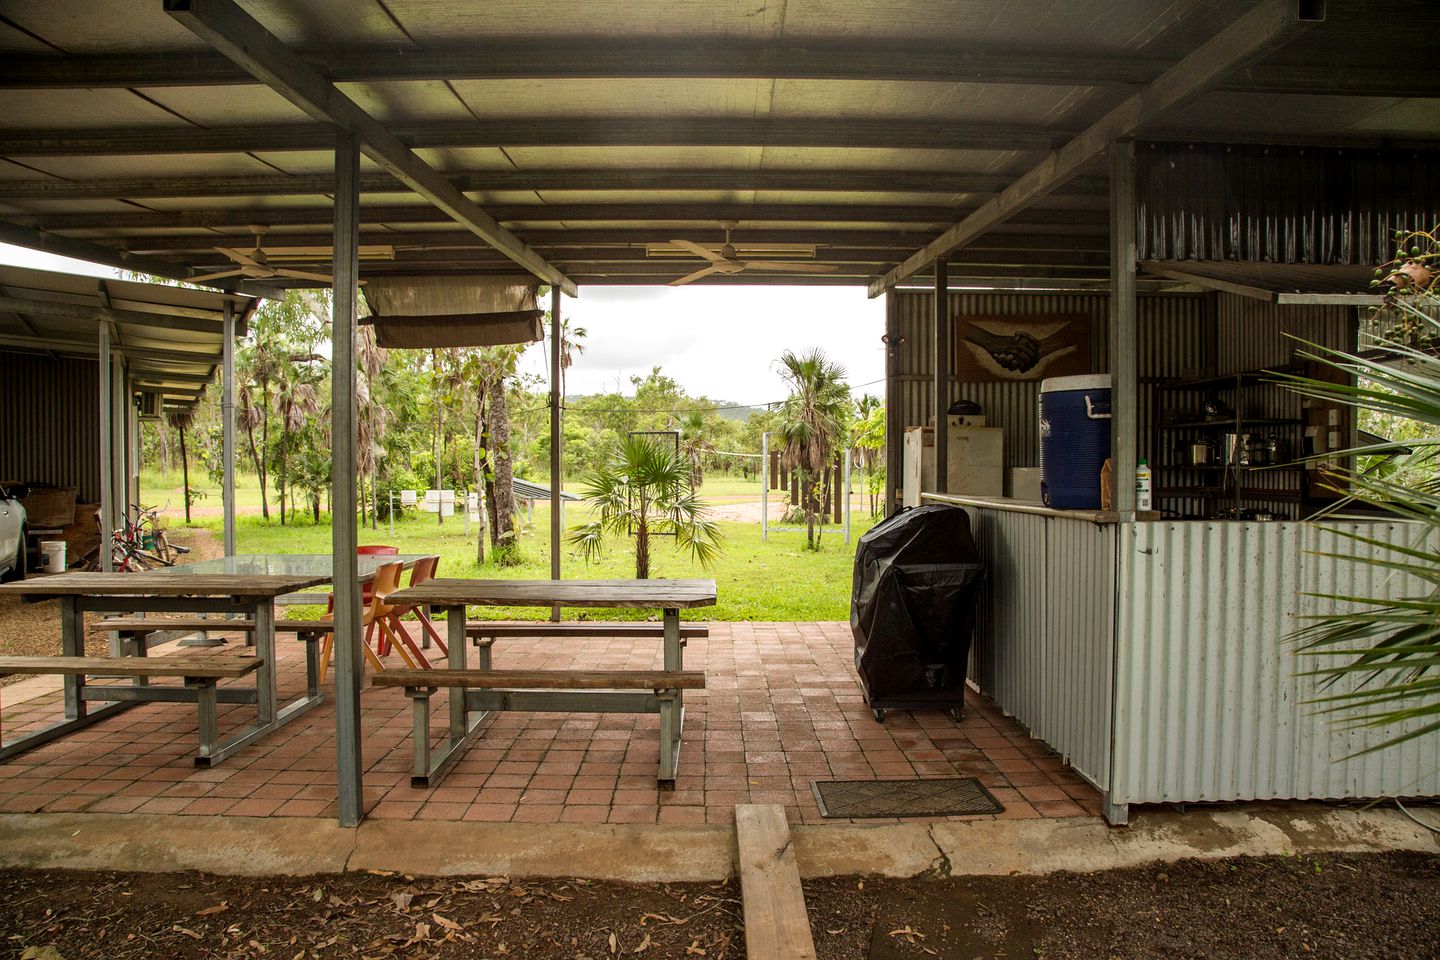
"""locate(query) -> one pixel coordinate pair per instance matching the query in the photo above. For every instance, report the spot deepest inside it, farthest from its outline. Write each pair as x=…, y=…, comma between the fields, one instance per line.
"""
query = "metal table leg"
x=672, y=708
x=72, y=644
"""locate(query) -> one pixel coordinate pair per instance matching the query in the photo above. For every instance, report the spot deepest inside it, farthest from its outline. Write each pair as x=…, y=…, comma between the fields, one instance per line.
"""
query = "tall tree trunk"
x=480, y=485
x=375, y=498
x=264, y=451
x=807, y=503
x=281, y=486
x=185, y=473
x=165, y=457
x=500, y=457
x=487, y=467
x=259, y=472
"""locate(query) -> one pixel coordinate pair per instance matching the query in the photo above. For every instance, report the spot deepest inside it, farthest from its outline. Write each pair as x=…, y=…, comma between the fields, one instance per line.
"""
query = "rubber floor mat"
x=949, y=797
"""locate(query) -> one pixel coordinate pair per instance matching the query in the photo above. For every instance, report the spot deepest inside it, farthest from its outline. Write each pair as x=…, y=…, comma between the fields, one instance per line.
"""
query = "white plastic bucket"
x=52, y=556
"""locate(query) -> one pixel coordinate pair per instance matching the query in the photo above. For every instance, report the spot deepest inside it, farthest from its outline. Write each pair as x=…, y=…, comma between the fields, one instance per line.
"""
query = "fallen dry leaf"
x=908, y=933
x=187, y=931
x=445, y=922
x=220, y=907
x=614, y=943
x=644, y=945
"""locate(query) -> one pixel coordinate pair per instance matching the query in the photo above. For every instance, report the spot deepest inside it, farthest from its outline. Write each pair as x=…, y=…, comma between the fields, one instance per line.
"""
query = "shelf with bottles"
x=1227, y=467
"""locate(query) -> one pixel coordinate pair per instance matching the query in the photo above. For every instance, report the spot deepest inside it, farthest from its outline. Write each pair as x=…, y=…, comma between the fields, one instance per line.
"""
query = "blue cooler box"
x=1074, y=440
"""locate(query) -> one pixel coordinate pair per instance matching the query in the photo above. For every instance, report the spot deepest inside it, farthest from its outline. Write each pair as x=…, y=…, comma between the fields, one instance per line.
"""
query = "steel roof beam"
x=915, y=181
x=598, y=239
x=708, y=214
x=1263, y=29
x=540, y=58
x=234, y=33
x=583, y=131
x=97, y=314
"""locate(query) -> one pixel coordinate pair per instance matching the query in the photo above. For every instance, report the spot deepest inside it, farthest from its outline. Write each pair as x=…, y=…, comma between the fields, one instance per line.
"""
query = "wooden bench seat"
x=483, y=633
x=304, y=627
x=544, y=679
x=202, y=668
x=134, y=624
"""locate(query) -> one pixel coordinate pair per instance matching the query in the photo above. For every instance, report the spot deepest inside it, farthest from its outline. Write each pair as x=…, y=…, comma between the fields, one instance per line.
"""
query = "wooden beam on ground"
x=237, y=35
x=1267, y=26
x=777, y=926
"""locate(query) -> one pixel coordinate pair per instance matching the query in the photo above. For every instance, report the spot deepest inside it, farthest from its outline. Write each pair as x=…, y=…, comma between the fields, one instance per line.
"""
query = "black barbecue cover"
x=918, y=577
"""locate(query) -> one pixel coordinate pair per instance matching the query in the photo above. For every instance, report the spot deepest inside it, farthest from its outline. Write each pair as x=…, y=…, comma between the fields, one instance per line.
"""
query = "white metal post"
x=392, y=515
x=942, y=347
x=557, y=439
x=107, y=465
x=847, y=496
x=227, y=424
x=764, y=487
x=344, y=537
x=1124, y=391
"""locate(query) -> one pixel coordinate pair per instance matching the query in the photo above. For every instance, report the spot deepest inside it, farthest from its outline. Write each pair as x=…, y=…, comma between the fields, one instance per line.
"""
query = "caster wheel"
x=879, y=714
x=956, y=714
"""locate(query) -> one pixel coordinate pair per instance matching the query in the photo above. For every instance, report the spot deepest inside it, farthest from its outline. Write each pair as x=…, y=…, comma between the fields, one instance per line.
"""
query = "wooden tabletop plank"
x=544, y=679
x=155, y=583
x=564, y=593
x=220, y=667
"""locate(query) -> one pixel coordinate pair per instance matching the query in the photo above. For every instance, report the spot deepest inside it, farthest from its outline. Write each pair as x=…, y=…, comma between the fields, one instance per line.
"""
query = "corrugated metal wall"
x=1044, y=641
x=1172, y=344
x=1209, y=703
x=50, y=422
x=1281, y=204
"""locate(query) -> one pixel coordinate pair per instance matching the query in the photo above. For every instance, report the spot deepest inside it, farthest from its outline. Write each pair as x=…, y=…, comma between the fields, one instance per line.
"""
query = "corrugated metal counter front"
x=1152, y=654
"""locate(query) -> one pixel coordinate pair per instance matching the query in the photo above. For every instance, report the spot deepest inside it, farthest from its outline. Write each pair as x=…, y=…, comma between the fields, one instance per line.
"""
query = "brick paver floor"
x=782, y=708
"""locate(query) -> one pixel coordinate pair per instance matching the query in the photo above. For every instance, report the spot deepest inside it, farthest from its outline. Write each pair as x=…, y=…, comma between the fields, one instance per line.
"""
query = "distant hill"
x=731, y=412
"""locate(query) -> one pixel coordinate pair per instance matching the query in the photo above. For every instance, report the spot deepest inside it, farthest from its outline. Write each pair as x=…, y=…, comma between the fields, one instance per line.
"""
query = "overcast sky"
x=720, y=342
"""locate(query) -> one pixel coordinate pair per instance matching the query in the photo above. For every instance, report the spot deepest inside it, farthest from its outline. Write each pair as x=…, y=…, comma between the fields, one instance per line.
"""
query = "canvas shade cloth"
x=423, y=312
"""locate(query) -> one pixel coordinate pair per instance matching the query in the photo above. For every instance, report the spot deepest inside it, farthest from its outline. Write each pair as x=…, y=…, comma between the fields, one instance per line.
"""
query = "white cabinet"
x=976, y=461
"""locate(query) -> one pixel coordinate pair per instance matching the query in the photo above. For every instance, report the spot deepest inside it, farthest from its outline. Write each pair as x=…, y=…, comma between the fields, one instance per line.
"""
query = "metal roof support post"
x=107, y=466
x=557, y=438
x=227, y=422
x=344, y=537
x=1124, y=393
x=942, y=375
x=894, y=429
x=119, y=465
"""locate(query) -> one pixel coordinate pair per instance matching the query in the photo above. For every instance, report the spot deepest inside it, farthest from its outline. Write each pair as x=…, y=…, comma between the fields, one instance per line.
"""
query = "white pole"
x=764, y=487
x=227, y=424
x=392, y=514
x=107, y=463
x=847, y=496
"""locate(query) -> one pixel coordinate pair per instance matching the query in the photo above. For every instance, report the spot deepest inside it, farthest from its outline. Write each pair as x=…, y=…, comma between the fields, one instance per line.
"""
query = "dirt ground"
x=33, y=629
x=1351, y=907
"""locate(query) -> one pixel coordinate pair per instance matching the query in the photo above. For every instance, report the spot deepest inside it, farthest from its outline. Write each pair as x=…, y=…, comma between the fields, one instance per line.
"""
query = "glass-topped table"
x=296, y=564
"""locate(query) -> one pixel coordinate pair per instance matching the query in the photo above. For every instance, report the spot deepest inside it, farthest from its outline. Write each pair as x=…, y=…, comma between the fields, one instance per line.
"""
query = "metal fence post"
x=764, y=487
x=227, y=425
x=846, y=486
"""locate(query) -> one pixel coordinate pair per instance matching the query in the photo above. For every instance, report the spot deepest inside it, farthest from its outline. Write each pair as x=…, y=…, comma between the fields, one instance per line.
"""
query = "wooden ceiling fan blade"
x=694, y=276
x=698, y=250
x=221, y=275
x=302, y=275
x=240, y=256
x=792, y=267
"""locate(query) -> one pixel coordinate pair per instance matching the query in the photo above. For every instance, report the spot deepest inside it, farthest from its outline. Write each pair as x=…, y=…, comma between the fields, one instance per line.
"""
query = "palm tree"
x=811, y=422
x=642, y=492
x=694, y=444
x=570, y=348
x=1379, y=657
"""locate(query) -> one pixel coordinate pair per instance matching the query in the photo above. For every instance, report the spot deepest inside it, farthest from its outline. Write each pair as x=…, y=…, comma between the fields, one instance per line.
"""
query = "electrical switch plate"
x=1334, y=417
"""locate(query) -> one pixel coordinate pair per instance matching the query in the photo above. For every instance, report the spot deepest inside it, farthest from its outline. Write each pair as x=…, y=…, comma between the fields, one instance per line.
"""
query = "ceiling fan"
x=728, y=263
x=256, y=263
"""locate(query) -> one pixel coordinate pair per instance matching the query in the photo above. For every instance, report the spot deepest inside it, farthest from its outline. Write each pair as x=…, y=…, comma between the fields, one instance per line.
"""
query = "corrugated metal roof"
x=536, y=491
x=170, y=336
x=826, y=93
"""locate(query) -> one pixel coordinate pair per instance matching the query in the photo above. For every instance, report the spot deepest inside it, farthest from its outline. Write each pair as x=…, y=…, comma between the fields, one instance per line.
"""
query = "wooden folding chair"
x=422, y=571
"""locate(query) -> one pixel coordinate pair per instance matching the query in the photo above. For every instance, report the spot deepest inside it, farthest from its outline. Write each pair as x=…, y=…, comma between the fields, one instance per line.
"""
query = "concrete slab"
x=245, y=846
x=1083, y=845
x=638, y=853
x=882, y=849
x=630, y=852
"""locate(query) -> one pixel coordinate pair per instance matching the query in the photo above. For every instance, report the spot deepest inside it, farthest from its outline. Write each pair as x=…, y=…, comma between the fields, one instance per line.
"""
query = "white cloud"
x=718, y=341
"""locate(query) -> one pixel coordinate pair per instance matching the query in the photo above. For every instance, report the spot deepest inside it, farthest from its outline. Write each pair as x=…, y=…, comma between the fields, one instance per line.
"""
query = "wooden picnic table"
x=469, y=708
x=251, y=596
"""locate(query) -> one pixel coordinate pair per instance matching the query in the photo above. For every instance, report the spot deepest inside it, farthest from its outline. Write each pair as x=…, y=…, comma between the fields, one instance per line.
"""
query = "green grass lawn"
x=778, y=580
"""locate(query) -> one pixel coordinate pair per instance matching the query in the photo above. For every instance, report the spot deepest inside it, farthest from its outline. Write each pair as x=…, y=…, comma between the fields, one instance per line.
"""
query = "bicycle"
x=140, y=544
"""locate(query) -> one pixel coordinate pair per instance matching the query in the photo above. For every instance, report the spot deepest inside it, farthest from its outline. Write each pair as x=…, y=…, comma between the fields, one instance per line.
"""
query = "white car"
x=12, y=533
